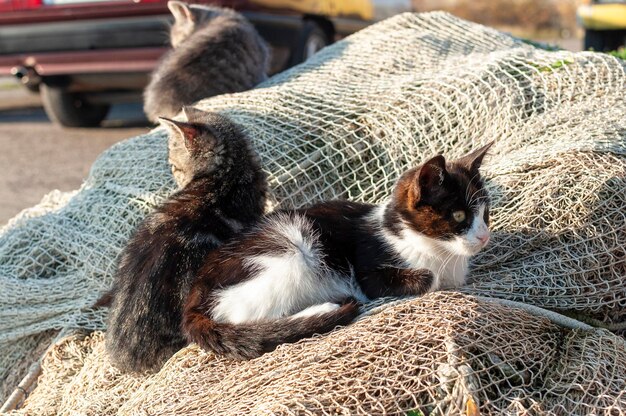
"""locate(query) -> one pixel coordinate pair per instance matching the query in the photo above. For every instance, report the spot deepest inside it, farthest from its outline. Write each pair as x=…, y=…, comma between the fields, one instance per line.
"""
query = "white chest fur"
x=418, y=251
x=421, y=252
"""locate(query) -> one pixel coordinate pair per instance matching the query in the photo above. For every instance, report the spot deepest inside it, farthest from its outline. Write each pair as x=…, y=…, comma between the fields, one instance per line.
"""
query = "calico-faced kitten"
x=216, y=51
x=225, y=193
x=302, y=272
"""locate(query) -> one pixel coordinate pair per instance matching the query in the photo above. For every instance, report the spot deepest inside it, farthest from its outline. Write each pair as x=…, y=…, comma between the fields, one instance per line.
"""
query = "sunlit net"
x=346, y=124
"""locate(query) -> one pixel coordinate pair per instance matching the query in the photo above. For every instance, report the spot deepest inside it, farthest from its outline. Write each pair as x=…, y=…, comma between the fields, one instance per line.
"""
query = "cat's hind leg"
x=286, y=277
x=324, y=308
x=316, y=310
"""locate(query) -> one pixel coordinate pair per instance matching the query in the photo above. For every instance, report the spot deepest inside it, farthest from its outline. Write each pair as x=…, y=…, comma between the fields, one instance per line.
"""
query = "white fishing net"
x=345, y=124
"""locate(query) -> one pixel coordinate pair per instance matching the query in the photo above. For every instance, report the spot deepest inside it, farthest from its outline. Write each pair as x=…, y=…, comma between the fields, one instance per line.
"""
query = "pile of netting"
x=346, y=124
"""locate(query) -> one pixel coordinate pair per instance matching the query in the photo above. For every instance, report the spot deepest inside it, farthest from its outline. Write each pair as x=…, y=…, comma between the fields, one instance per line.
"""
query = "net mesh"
x=345, y=124
x=444, y=353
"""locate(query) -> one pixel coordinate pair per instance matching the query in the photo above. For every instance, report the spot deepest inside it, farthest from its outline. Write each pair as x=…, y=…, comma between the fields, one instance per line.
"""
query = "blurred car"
x=605, y=24
x=84, y=55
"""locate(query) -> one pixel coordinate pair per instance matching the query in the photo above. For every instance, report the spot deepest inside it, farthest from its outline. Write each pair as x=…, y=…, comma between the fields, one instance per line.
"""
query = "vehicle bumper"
x=88, y=54
x=611, y=16
x=84, y=62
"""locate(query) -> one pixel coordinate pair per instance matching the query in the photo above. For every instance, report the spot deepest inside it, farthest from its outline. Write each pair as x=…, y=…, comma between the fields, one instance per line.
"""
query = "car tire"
x=312, y=38
x=69, y=109
x=604, y=40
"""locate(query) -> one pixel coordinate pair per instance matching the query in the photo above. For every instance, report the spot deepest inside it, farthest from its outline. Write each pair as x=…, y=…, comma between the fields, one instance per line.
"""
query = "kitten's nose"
x=484, y=238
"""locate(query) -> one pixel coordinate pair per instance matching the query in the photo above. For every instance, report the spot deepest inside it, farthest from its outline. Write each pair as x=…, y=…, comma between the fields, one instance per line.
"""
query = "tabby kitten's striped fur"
x=225, y=192
x=216, y=51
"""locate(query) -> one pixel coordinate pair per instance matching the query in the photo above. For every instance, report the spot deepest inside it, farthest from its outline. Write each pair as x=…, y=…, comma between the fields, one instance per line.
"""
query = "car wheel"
x=69, y=109
x=604, y=40
x=312, y=38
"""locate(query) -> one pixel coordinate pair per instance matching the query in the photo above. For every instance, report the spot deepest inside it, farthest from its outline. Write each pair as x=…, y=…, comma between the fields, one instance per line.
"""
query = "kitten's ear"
x=194, y=115
x=474, y=159
x=188, y=131
x=180, y=10
x=430, y=176
x=432, y=172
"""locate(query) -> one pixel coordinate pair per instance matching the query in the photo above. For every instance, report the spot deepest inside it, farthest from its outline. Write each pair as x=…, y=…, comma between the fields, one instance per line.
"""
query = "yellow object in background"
x=361, y=9
x=609, y=16
x=368, y=10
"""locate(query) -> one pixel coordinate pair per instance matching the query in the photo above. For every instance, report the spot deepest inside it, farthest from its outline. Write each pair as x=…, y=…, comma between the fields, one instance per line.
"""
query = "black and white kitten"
x=303, y=272
x=216, y=51
x=224, y=193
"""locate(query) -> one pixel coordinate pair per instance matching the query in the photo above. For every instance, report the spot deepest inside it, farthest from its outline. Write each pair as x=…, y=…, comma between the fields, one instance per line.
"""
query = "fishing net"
x=444, y=353
x=345, y=124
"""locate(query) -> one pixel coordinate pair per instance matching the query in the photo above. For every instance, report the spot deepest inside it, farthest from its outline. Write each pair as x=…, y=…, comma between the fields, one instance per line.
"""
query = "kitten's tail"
x=251, y=340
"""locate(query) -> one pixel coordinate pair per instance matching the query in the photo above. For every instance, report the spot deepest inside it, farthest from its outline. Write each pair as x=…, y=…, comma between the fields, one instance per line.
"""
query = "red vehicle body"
x=83, y=57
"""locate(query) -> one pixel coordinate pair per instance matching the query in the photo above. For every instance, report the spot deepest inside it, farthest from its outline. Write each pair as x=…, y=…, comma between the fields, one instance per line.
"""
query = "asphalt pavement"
x=37, y=156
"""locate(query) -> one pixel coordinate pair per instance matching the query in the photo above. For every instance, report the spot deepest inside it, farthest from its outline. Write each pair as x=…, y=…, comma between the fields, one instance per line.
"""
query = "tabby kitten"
x=216, y=51
x=302, y=272
x=225, y=193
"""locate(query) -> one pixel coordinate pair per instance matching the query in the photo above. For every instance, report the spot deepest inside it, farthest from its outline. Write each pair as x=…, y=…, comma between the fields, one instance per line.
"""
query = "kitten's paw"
x=425, y=274
x=430, y=282
x=420, y=281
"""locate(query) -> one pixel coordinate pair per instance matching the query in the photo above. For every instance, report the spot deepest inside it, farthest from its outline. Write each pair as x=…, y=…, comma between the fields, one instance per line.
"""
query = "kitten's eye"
x=459, y=216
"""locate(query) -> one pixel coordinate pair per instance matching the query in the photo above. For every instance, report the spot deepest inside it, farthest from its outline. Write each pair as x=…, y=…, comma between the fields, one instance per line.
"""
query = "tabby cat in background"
x=303, y=272
x=215, y=51
x=224, y=192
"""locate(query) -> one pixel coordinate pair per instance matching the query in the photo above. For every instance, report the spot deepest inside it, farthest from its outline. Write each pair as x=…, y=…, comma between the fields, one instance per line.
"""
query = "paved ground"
x=37, y=156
